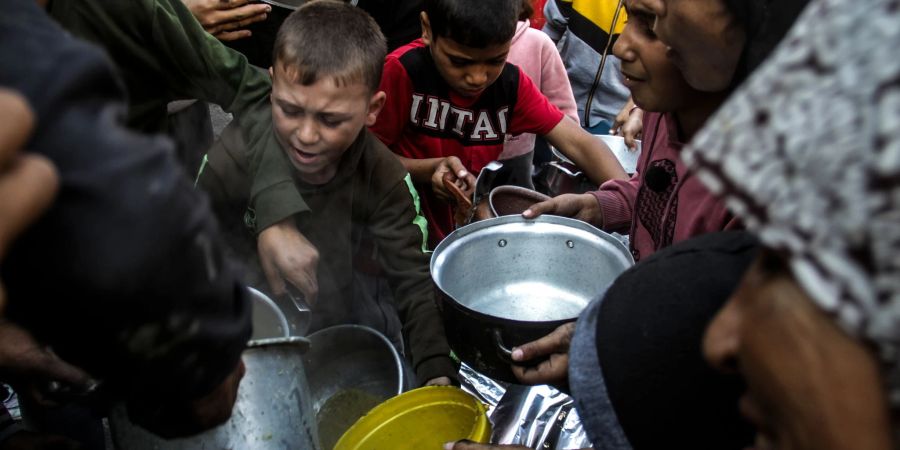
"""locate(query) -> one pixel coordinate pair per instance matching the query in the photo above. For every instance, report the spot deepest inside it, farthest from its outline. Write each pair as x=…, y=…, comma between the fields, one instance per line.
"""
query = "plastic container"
x=421, y=419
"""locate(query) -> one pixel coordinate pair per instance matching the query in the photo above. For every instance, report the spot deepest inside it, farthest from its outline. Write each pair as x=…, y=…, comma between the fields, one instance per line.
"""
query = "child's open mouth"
x=304, y=157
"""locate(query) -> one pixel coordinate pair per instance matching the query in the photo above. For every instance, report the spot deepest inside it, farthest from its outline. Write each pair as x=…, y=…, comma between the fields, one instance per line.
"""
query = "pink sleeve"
x=533, y=112
x=554, y=79
x=393, y=117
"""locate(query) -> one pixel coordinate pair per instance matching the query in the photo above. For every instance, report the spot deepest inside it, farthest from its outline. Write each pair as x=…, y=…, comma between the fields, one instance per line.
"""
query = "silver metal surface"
x=544, y=269
x=272, y=410
x=627, y=158
x=351, y=362
x=289, y=4
x=354, y=357
x=485, y=180
x=297, y=311
x=268, y=320
x=539, y=417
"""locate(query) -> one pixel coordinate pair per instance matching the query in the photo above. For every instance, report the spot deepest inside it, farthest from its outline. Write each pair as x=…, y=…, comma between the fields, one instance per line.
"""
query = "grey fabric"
x=582, y=62
x=589, y=389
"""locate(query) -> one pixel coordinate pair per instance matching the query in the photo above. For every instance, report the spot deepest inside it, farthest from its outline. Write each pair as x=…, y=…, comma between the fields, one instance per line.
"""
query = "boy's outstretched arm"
x=587, y=152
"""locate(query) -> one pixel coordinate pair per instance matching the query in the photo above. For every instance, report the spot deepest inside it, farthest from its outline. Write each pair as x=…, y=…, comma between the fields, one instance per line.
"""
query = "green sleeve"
x=273, y=194
x=399, y=231
x=163, y=54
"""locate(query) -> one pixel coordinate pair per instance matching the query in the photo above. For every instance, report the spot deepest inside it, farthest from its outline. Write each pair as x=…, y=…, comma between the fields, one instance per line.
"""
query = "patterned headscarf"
x=807, y=153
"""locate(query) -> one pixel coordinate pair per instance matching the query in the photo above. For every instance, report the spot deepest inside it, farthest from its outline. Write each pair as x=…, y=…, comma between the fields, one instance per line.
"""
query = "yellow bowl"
x=421, y=419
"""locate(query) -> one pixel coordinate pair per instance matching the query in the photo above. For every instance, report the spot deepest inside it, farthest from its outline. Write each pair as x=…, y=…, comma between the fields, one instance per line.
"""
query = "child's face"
x=655, y=82
x=468, y=70
x=705, y=39
x=316, y=124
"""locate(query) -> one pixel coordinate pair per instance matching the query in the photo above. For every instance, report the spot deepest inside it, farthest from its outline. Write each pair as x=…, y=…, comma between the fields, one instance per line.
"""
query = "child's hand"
x=465, y=181
x=629, y=124
x=286, y=255
x=584, y=207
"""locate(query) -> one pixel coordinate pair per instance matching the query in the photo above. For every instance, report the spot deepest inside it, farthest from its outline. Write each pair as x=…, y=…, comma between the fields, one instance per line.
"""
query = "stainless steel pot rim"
x=460, y=233
x=508, y=230
x=299, y=3
x=284, y=5
x=279, y=314
x=397, y=357
x=301, y=343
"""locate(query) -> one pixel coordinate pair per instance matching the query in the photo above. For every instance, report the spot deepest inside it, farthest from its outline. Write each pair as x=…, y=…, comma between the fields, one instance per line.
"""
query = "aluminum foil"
x=538, y=417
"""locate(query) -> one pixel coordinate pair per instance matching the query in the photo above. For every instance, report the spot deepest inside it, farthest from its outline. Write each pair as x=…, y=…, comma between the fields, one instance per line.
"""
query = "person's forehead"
x=455, y=49
x=656, y=7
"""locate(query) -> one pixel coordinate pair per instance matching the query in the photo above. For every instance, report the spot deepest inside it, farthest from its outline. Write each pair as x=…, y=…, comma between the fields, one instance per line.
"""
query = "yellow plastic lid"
x=421, y=419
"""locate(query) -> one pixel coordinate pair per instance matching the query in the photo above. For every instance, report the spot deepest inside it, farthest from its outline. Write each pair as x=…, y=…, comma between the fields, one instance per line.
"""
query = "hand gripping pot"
x=508, y=280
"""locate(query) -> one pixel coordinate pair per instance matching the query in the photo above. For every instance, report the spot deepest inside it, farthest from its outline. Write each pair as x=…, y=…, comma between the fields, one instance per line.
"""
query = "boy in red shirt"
x=452, y=99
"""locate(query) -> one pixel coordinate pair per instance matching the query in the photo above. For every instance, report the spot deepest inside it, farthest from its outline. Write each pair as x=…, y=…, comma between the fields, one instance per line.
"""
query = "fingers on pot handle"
x=462, y=200
x=503, y=351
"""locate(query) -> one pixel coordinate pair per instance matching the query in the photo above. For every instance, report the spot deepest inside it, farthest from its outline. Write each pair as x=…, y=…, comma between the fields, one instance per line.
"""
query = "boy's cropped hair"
x=330, y=38
x=473, y=23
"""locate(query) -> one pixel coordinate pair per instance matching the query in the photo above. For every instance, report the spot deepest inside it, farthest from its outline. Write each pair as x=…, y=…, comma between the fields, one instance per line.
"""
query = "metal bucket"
x=272, y=411
x=351, y=369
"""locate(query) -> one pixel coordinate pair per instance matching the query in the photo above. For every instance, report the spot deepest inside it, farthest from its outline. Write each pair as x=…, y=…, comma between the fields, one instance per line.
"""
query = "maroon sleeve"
x=533, y=112
x=393, y=117
x=616, y=198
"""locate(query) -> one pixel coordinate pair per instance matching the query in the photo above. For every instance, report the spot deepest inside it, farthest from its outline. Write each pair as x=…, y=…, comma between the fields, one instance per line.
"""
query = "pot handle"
x=462, y=200
x=503, y=351
x=463, y=207
x=564, y=169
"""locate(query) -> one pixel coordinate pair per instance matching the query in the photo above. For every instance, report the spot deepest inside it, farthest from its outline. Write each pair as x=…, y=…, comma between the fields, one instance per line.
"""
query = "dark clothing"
x=124, y=275
x=398, y=20
x=369, y=200
x=648, y=335
x=163, y=54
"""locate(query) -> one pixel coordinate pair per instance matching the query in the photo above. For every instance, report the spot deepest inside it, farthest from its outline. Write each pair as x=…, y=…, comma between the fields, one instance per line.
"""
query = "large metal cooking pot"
x=351, y=368
x=272, y=411
x=507, y=281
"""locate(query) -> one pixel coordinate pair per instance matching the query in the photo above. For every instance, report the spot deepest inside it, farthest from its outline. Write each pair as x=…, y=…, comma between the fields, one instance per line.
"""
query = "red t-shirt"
x=424, y=118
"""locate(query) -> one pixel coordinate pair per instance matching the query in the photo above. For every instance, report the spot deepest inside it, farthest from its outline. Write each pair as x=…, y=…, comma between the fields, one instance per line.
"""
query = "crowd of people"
x=763, y=310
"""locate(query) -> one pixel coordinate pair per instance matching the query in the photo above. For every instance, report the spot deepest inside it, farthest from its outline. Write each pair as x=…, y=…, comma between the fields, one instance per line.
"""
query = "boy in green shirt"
x=358, y=192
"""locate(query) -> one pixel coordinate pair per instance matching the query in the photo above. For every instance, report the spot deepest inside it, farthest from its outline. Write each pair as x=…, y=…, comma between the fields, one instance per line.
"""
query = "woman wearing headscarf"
x=814, y=326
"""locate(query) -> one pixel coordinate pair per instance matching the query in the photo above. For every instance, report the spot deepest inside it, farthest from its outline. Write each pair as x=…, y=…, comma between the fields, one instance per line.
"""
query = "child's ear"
x=271, y=73
x=426, y=28
x=375, y=105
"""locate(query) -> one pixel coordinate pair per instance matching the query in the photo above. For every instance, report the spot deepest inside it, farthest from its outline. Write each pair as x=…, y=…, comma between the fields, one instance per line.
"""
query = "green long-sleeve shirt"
x=370, y=199
x=163, y=54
